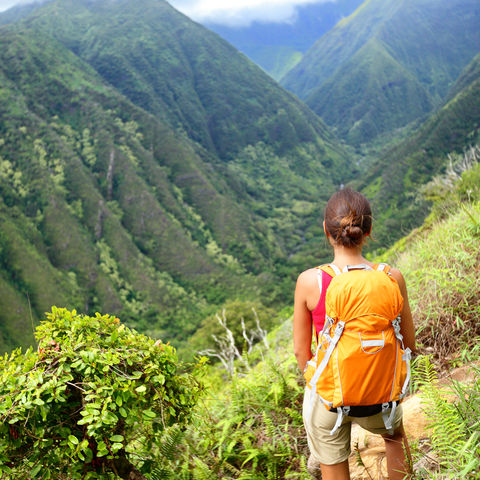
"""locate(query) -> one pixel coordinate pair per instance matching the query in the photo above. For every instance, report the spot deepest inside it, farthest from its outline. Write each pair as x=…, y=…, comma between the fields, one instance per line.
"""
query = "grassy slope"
x=428, y=42
x=440, y=266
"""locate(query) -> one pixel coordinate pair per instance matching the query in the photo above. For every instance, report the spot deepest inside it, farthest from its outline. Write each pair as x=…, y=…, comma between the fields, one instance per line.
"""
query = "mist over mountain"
x=277, y=47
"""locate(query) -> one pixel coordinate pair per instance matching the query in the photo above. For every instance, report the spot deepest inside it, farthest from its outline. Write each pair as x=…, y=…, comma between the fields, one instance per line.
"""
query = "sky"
x=6, y=4
x=233, y=13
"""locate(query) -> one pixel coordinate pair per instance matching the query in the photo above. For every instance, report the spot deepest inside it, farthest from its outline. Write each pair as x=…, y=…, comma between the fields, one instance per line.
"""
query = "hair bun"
x=353, y=232
x=348, y=218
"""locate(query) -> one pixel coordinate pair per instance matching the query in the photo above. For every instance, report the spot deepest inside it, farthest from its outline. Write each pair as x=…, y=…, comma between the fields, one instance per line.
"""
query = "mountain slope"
x=93, y=205
x=271, y=149
x=108, y=207
x=405, y=55
x=393, y=180
x=392, y=96
x=176, y=69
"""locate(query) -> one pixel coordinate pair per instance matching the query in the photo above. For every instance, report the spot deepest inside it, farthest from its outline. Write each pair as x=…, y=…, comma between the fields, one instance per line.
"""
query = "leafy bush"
x=91, y=402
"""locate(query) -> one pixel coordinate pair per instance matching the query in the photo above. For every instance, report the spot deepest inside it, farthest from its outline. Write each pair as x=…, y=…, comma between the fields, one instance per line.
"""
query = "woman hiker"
x=347, y=224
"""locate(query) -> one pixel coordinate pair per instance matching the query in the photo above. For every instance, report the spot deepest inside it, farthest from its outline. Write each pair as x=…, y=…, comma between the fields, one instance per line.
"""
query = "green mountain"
x=387, y=64
x=393, y=180
x=149, y=170
x=179, y=71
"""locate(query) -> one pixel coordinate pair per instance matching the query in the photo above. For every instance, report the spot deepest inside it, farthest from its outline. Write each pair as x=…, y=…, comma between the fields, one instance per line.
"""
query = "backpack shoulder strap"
x=328, y=268
x=382, y=267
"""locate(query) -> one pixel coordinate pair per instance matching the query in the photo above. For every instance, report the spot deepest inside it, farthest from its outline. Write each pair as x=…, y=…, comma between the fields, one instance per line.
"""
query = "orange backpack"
x=361, y=366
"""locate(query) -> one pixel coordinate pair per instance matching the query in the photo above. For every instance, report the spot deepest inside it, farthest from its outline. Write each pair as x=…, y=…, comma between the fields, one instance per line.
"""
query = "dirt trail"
x=371, y=447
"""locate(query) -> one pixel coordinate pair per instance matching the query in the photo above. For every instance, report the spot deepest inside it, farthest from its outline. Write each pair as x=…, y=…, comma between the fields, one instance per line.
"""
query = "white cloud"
x=241, y=13
x=6, y=4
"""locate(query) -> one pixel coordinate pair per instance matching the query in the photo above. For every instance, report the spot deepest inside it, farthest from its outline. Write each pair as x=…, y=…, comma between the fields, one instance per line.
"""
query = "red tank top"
x=318, y=313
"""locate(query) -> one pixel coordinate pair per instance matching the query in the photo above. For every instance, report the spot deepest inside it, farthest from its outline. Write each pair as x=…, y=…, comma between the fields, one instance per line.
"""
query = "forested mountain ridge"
x=394, y=179
x=178, y=70
x=388, y=63
x=89, y=193
x=270, y=145
x=109, y=207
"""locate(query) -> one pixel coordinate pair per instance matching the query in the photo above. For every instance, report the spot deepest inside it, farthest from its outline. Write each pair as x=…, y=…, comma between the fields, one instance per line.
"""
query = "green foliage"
x=453, y=413
x=252, y=429
x=458, y=185
x=91, y=402
x=439, y=265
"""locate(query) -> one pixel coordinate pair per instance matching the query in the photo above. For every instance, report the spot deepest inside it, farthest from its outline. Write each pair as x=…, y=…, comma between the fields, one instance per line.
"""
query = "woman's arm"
x=302, y=323
x=407, y=328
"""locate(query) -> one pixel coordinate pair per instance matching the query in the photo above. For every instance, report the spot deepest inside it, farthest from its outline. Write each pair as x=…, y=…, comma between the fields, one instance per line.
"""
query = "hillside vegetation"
x=82, y=220
x=149, y=170
x=393, y=180
x=248, y=425
x=387, y=64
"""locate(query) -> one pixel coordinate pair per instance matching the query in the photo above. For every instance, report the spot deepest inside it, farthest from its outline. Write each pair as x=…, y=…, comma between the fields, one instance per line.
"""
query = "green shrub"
x=91, y=402
x=250, y=428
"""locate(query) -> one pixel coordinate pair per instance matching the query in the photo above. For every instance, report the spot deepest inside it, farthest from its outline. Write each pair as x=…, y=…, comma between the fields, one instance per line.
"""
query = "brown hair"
x=348, y=217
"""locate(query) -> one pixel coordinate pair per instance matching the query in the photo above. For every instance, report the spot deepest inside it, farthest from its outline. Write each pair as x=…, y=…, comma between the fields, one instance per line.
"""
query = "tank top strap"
x=325, y=276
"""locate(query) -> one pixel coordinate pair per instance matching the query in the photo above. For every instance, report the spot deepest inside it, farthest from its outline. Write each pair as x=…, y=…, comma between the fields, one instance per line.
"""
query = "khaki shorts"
x=332, y=449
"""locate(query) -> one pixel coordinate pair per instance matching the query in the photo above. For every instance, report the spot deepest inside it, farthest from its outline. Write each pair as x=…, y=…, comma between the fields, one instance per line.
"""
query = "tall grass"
x=442, y=274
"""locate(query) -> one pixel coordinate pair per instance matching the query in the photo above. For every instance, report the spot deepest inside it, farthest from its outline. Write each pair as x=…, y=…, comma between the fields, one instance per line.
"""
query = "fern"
x=269, y=426
x=161, y=474
x=202, y=471
x=454, y=425
x=171, y=441
x=302, y=472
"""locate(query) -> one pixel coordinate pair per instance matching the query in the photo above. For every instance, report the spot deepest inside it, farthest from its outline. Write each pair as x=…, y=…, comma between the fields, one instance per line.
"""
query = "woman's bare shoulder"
x=307, y=276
